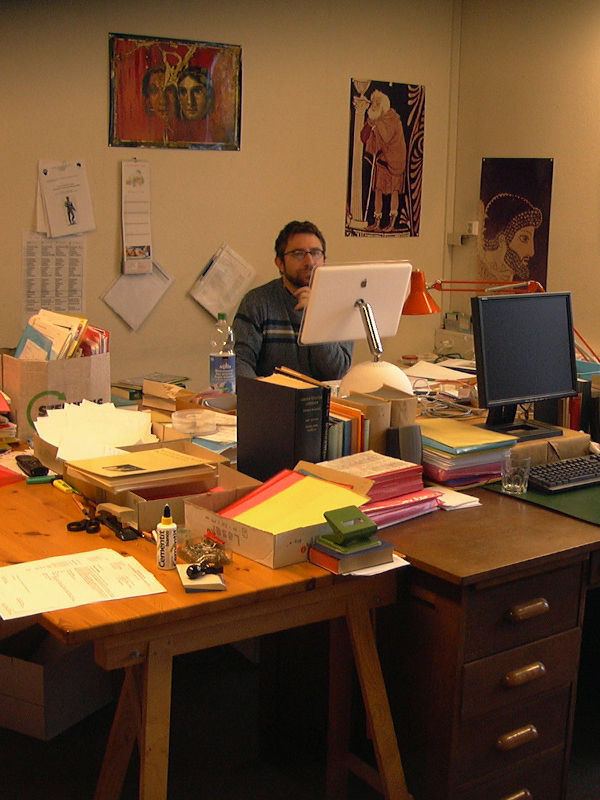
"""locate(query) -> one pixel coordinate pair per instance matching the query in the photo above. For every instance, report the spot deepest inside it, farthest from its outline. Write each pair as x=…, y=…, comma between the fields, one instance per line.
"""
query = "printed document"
x=50, y=584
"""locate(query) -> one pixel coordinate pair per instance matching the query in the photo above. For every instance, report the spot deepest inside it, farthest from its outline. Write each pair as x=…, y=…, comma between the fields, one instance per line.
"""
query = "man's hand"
x=301, y=296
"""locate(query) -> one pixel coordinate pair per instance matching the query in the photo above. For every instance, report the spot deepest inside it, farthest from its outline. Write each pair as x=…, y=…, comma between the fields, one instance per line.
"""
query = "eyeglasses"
x=298, y=255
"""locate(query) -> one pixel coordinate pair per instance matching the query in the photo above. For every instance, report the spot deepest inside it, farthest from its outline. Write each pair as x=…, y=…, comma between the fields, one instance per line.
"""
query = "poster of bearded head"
x=385, y=171
x=514, y=219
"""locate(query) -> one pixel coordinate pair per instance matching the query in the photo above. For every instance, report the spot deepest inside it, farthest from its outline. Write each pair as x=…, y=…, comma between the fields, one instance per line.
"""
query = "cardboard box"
x=289, y=547
x=144, y=509
x=34, y=386
x=280, y=550
x=570, y=445
x=48, y=453
x=46, y=686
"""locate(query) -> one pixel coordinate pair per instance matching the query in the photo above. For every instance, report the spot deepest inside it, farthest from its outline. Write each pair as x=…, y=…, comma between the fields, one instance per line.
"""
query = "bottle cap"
x=167, y=519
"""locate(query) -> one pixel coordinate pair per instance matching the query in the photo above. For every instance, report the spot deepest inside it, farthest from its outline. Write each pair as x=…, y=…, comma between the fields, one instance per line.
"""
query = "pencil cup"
x=515, y=473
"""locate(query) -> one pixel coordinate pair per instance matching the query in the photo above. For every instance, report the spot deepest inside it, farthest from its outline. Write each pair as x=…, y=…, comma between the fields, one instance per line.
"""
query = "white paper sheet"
x=50, y=584
x=133, y=297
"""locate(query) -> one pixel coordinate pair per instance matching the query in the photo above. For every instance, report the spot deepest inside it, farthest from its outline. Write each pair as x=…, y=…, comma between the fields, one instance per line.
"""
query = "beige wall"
x=298, y=59
x=530, y=87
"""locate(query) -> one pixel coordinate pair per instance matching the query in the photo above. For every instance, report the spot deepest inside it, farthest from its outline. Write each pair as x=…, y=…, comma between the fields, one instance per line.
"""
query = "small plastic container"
x=194, y=422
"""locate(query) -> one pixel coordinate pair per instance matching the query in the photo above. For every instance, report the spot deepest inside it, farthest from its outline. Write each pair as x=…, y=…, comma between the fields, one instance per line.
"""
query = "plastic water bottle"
x=222, y=357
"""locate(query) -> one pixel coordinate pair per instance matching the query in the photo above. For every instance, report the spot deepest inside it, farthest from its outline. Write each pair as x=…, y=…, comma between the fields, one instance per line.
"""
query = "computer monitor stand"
x=503, y=419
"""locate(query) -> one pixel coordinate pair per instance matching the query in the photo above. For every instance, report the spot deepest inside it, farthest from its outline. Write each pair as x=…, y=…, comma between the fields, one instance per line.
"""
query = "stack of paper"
x=136, y=470
x=458, y=454
x=397, y=491
x=390, y=476
x=291, y=500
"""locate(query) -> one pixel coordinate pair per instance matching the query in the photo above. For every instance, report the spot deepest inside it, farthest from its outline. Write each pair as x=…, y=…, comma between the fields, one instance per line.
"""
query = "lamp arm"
x=486, y=286
x=371, y=331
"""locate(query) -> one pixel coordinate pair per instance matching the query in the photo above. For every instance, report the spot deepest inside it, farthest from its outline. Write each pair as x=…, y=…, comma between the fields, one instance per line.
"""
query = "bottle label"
x=166, y=546
x=222, y=373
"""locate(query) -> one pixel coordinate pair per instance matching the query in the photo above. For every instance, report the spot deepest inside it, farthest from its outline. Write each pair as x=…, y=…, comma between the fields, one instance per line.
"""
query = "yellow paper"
x=300, y=505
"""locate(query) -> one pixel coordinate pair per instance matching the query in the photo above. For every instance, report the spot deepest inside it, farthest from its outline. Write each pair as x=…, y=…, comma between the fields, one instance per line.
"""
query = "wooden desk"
x=143, y=634
x=484, y=647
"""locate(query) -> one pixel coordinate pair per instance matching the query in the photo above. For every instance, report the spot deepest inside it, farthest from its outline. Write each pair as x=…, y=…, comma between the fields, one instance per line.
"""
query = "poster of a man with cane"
x=386, y=159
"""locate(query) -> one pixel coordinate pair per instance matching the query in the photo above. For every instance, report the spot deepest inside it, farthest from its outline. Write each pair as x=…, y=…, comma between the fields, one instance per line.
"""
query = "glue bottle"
x=166, y=541
x=222, y=356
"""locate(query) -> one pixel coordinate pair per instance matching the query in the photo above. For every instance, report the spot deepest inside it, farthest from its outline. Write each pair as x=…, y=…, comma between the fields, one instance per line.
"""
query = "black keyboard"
x=570, y=473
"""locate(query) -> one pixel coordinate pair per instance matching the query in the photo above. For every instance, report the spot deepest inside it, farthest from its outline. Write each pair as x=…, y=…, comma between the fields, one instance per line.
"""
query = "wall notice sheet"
x=223, y=281
x=66, y=200
x=133, y=297
x=50, y=584
x=135, y=217
x=53, y=274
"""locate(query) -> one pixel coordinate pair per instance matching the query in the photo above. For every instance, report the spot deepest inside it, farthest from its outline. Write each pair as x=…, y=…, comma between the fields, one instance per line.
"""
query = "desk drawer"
x=519, y=674
x=495, y=742
x=538, y=778
x=517, y=612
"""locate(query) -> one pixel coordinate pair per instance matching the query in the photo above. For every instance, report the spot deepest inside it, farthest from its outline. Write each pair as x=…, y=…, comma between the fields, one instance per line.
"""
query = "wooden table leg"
x=155, y=727
x=340, y=703
x=123, y=734
x=375, y=700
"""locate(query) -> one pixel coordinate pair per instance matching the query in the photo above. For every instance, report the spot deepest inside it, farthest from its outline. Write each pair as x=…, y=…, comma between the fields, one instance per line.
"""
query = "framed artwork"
x=385, y=165
x=514, y=219
x=174, y=93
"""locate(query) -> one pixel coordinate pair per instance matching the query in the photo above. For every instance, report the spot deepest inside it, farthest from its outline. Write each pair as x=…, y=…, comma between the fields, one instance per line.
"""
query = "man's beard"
x=516, y=264
x=298, y=283
x=375, y=111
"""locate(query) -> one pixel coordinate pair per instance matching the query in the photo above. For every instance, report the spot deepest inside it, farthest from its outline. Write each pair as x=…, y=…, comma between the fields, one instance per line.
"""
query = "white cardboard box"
x=144, y=509
x=272, y=550
x=46, y=686
x=289, y=547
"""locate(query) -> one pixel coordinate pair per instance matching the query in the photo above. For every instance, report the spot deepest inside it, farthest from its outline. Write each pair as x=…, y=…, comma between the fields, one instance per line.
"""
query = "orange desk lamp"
x=419, y=301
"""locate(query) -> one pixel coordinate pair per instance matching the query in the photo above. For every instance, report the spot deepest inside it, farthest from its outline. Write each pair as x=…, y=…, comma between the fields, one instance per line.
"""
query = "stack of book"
x=458, y=454
x=397, y=492
x=351, y=545
x=281, y=419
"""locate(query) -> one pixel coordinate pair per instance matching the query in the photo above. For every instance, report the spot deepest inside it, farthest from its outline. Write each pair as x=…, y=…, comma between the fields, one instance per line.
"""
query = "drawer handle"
x=525, y=611
x=522, y=794
x=521, y=675
x=517, y=738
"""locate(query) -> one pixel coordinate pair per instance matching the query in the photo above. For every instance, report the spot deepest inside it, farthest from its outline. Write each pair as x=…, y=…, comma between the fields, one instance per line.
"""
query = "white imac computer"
x=358, y=301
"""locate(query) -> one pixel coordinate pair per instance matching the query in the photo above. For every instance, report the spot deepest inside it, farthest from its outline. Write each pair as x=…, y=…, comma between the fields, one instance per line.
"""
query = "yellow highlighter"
x=63, y=486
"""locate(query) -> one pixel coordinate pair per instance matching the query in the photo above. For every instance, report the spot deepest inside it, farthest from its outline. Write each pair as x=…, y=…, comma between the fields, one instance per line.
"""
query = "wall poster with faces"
x=174, y=93
x=514, y=219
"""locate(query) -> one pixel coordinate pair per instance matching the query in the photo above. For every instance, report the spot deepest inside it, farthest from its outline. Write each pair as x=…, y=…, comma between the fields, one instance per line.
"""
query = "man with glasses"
x=268, y=319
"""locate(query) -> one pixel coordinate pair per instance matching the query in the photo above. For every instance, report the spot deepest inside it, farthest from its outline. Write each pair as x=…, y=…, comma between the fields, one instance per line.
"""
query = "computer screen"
x=331, y=314
x=524, y=353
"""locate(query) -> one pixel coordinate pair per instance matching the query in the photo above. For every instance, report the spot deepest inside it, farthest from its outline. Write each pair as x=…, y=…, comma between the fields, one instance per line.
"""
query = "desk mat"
x=581, y=504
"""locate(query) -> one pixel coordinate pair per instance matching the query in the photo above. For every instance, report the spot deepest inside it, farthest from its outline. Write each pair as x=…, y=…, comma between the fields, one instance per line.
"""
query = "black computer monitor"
x=524, y=353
